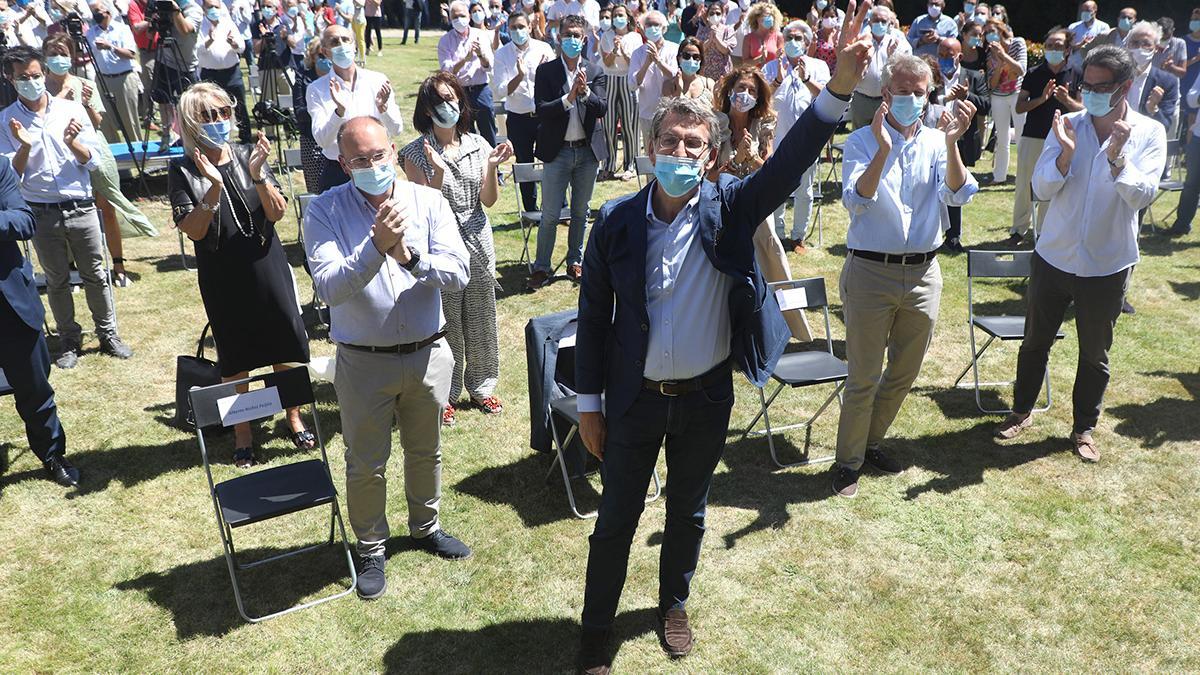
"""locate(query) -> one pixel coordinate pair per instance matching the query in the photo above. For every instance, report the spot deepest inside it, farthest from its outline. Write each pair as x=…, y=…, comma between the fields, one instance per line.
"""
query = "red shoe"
x=448, y=416
x=490, y=405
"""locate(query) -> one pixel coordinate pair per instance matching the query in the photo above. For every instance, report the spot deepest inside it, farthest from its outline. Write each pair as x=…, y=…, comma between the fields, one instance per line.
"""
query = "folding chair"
x=1172, y=183
x=1035, y=202
x=565, y=410
x=996, y=265
x=318, y=305
x=269, y=493
x=801, y=369
x=5, y=388
x=531, y=172
x=645, y=169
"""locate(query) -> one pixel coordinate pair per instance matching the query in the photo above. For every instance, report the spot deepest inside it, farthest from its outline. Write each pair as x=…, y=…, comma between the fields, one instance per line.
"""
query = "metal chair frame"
x=532, y=172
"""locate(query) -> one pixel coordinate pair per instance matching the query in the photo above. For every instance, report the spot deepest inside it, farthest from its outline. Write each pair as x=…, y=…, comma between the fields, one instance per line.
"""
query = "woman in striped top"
x=1006, y=66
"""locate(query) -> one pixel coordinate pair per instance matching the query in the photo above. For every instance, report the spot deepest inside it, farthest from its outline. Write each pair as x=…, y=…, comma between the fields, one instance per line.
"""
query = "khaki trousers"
x=890, y=308
x=373, y=391
x=772, y=260
x=1028, y=151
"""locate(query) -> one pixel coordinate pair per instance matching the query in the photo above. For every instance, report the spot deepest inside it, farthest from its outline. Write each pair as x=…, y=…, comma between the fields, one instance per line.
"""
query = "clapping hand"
x=883, y=137
x=67, y=93
x=580, y=86
x=258, y=156
x=383, y=97
x=743, y=146
x=1051, y=85
x=391, y=222
x=1117, y=139
x=206, y=167
x=1064, y=133
x=71, y=132
x=853, y=51
x=86, y=93
x=340, y=96
x=1154, y=98
x=102, y=45
x=1062, y=94
x=957, y=93
x=19, y=132
x=434, y=158
x=500, y=154
x=652, y=51
x=954, y=126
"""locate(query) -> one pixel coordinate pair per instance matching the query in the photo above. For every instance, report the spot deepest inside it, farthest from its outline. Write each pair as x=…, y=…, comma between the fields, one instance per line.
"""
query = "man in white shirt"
x=797, y=80
x=512, y=82
x=898, y=177
x=1099, y=167
x=53, y=147
x=652, y=64
x=1084, y=32
x=346, y=91
x=218, y=52
x=116, y=54
x=466, y=53
x=887, y=44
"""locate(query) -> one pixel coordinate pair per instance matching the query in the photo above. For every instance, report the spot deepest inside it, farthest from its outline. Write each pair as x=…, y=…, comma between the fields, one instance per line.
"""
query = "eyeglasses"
x=1101, y=87
x=368, y=161
x=216, y=114
x=667, y=144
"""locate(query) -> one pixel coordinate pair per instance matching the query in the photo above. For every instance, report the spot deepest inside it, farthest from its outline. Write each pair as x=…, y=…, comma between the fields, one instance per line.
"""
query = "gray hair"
x=456, y=3
x=696, y=110
x=801, y=26
x=1150, y=27
x=908, y=64
x=1115, y=60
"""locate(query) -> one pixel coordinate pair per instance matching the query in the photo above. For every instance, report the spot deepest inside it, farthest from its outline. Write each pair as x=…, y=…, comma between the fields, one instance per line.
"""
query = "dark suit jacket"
x=1170, y=100
x=16, y=224
x=548, y=90
x=610, y=349
x=970, y=146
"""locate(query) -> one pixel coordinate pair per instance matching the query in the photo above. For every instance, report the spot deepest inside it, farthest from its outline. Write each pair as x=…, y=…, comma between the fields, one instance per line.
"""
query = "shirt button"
x=645, y=328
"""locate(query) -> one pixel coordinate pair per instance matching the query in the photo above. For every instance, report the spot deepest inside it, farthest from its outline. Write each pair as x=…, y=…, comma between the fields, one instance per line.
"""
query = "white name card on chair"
x=791, y=298
x=251, y=405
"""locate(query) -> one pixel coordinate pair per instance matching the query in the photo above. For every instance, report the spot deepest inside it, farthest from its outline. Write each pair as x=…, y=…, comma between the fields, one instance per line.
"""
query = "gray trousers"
x=373, y=391
x=124, y=88
x=59, y=237
x=1097, y=306
x=888, y=308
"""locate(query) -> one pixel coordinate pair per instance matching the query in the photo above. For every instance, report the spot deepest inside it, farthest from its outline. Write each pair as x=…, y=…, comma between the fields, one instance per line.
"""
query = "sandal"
x=243, y=458
x=304, y=439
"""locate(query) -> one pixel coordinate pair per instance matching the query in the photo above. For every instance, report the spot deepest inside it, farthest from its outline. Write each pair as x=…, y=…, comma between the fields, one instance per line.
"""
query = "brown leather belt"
x=680, y=387
x=397, y=349
x=897, y=258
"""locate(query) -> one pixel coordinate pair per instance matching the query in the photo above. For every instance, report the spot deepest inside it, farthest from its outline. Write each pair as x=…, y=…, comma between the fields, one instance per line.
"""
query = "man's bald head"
x=362, y=136
x=949, y=47
x=335, y=35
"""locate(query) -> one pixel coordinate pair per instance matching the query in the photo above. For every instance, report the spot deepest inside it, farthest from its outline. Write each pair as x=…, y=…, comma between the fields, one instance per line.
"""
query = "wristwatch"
x=413, y=258
x=1118, y=163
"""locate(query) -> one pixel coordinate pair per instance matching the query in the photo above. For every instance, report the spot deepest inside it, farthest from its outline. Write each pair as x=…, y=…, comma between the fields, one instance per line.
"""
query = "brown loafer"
x=593, y=652
x=676, y=635
x=537, y=280
x=575, y=272
x=1013, y=425
x=1085, y=447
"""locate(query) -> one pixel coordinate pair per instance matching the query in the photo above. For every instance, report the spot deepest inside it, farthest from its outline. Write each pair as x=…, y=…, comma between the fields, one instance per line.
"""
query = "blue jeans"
x=480, y=97
x=1191, y=186
x=576, y=167
x=694, y=427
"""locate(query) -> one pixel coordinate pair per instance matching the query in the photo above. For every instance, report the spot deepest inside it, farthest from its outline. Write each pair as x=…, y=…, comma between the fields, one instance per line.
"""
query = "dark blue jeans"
x=694, y=427
x=1191, y=186
x=412, y=19
x=480, y=97
x=25, y=361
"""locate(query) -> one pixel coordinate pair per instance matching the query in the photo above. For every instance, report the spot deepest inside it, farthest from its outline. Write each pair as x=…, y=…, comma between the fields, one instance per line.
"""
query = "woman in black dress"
x=226, y=200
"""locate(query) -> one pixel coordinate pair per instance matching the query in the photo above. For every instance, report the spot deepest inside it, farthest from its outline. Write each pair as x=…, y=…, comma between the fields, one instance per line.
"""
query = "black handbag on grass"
x=192, y=371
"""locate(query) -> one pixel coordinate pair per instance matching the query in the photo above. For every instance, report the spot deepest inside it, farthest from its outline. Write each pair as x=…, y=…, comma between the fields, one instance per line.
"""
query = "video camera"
x=74, y=25
x=267, y=113
x=159, y=15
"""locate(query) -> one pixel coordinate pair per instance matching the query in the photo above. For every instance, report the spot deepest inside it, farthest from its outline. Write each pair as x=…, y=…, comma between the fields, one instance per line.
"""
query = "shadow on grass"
x=524, y=487
x=511, y=278
x=1159, y=245
x=962, y=457
x=199, y=595
x=527, y=646
x=958, y=403
x=1163, y=420
x=1188, y=290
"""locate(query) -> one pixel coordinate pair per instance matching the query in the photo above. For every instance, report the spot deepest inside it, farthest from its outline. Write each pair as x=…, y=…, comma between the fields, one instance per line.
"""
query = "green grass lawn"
x=979, y=557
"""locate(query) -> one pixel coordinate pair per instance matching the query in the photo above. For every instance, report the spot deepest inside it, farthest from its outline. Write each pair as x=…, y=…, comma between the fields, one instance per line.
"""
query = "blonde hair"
x=759, y=10
x=199, y=97
x=310, y=54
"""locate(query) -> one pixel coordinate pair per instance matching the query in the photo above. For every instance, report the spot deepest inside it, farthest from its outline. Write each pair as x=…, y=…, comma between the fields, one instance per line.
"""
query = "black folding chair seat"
x=567, y=408
x=800, y=369
x=1005, y=327
x=274, y=492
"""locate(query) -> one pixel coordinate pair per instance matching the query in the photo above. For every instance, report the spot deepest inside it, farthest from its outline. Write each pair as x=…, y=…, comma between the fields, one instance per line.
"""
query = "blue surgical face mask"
x=822, y=4
x=793, y=48
x=571, y=46
x=605, y=24
x=477, y=17
x=59, y=65
x=975, y=41
x=878, y=28
x=293, y=12
x=993, y=37
x=654, y=33
x=1097, y=104
x=445, y=115
x=268, y=13
x=215, y=134
x=689, y=66
x=1194, y=25
x=31, y=90
x=969, y=8
x=979, y=19
x=678, y=175
x=213, y=14
x=519, y=35
x=934, y=11
x=620, y=22
x=343, y=55
x=1085, y=16
x=947, y=65
x=907, y=108
x=324, y=65
x=1125, y=23
x=768, y=22
x=1055, y=56
x=375, y=180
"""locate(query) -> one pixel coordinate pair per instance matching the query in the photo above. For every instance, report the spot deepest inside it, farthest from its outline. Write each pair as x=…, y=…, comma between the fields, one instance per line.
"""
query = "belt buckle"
x=663, y=384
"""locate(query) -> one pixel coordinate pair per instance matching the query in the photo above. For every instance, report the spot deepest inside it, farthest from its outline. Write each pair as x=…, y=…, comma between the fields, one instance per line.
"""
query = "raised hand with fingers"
x=434, y=158
x=882, y=136
x=1064, y=132
x=258, y=156
x=384, y=97
x=340, y=96
x=854, y=51
x=499, y=155
x=954, y=126
x=19, y=132
x=1117, y=139
x=206, y=168
x=71, y=132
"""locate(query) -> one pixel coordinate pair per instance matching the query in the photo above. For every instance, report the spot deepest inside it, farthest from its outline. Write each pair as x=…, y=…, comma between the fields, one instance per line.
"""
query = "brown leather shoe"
x=593, y=652
x=1085, y=447
x=537, y=280
x=1013, y=425
x=575, y=272
x=676, y=634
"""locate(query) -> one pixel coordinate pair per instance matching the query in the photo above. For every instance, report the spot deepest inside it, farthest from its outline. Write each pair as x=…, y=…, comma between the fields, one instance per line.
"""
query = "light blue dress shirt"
x=945, y=26
x=52, y=174
x=905, y=215
x=373, y=301
x=108, y=62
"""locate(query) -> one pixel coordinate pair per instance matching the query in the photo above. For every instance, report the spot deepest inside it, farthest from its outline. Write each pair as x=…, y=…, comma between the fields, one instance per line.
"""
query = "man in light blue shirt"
x=899, y=177
x=929, y=29
x=381, y=251
x=53, y=146
x=112, y=43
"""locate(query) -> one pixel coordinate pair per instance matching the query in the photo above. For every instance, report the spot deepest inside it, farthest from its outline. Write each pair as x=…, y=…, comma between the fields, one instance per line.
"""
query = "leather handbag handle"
x=200, y=344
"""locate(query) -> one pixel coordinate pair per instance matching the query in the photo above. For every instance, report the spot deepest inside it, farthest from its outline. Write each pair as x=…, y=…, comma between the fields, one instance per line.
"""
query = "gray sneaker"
x=115, y=348
x=68, y=358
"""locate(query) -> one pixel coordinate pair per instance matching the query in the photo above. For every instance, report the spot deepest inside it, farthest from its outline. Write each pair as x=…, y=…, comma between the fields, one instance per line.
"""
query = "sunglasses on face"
x=216, y=114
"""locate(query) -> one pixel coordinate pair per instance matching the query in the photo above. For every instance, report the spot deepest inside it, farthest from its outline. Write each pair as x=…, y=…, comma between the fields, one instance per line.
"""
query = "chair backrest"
x=293, y=387
x=285, y=101
x=293, y=159
x=797, y=295
x=529, y=172
x=304, y=201
x=645, y=167
x=998, y=264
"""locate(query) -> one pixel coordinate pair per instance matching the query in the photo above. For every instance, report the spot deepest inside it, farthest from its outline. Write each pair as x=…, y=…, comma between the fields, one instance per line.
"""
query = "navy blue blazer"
x=16, y=224
x=1170, y=100
x=614, y=325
